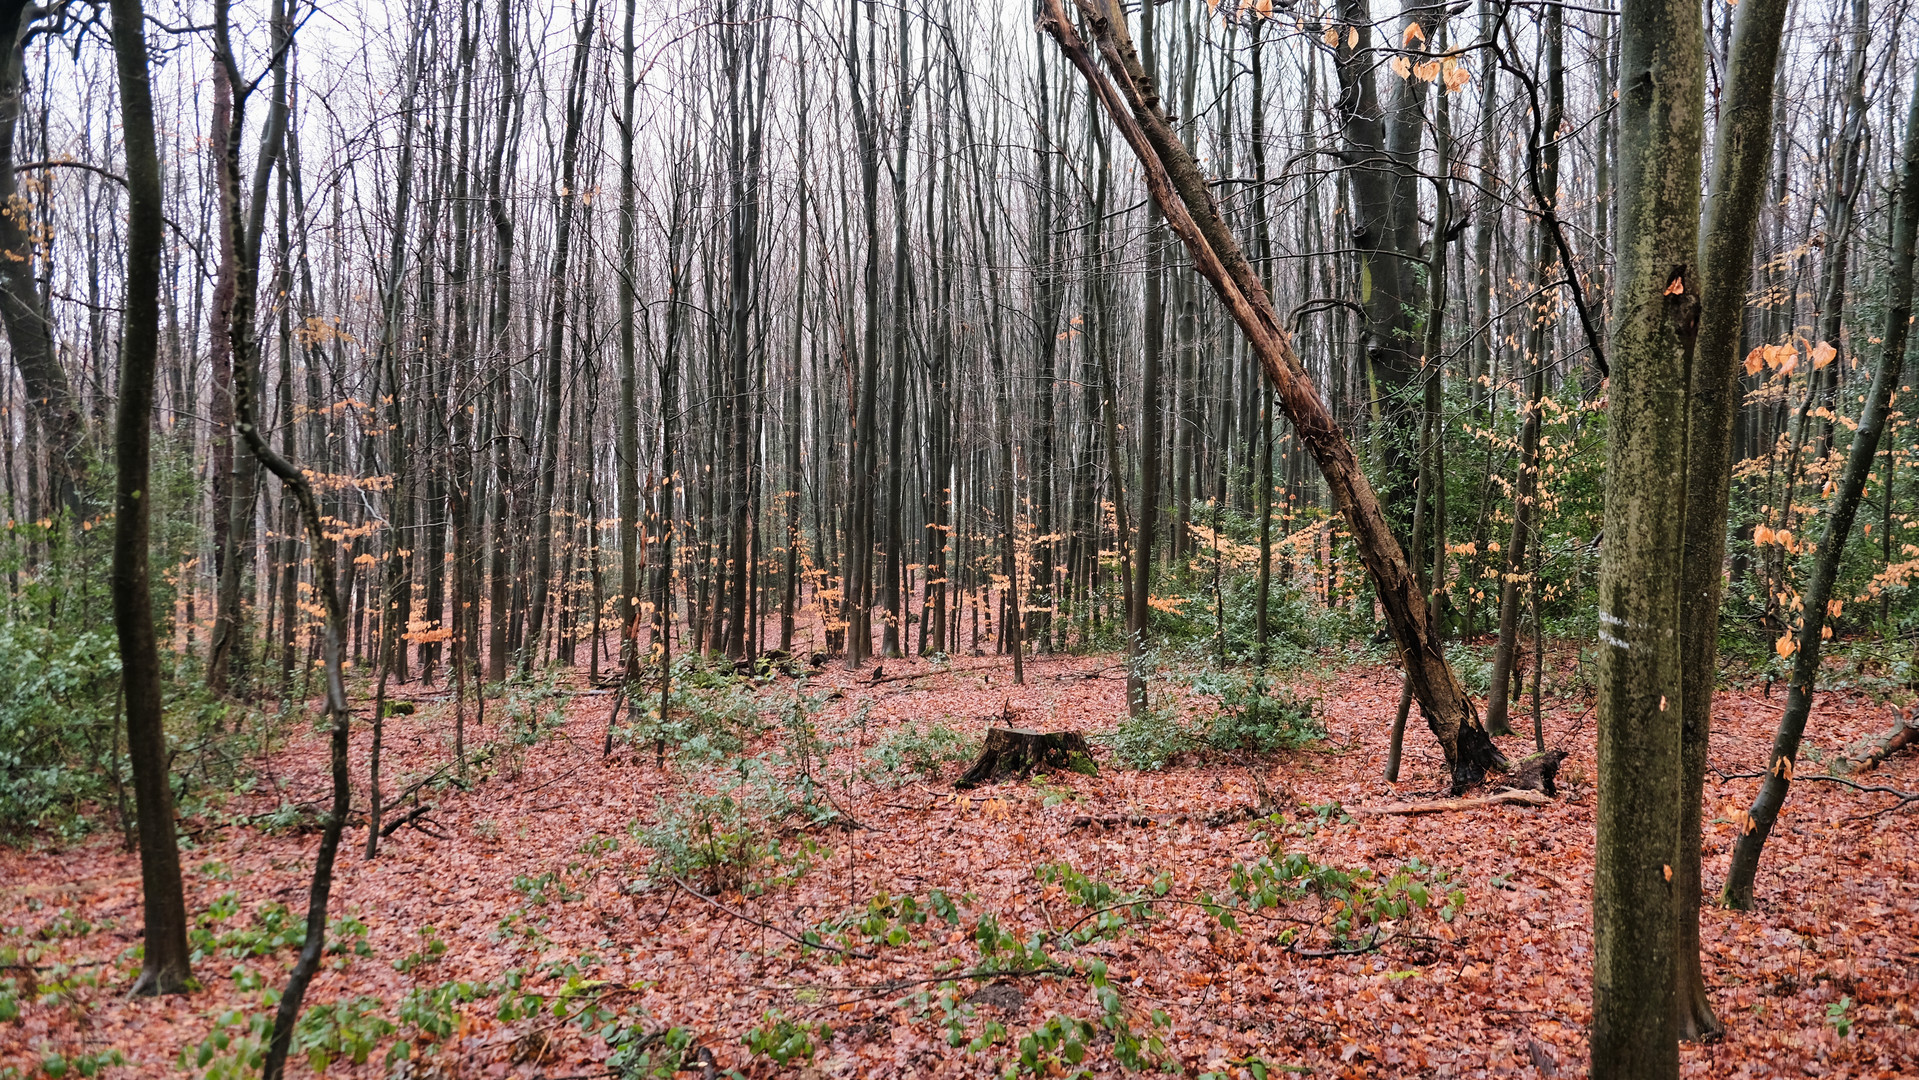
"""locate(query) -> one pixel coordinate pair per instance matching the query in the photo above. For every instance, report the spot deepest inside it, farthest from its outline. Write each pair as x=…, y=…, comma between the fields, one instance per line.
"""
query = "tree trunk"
x=244, y=240
x=29, y=329
x=1764, y=813
x=892, y=595
x=555, y=366
x=166, y=963
x=393, y=580
x=499, y=336
x=629, y=419
x=855, y=605
x=1741, y=159
x=1641, y=695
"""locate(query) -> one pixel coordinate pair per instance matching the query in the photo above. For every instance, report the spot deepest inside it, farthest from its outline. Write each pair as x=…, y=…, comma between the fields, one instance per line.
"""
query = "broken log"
x=1437, y=806
x=1010, y=750
x=1867, y=754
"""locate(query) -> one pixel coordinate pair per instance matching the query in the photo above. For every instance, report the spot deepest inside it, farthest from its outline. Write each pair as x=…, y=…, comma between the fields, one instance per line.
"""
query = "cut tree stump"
x=1010, y=750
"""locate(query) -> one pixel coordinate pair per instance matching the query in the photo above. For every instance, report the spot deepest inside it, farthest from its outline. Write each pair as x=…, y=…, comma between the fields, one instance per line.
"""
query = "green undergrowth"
x=1085, y=912
x=915, y=750
x=1231, y=711
x=420, y=1025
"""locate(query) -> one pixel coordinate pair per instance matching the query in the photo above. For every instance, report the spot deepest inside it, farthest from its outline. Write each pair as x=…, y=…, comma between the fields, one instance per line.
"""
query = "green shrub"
x=785, y=1040
x=1472, y=666
x=342, y=1030
x=911, y=749
x=57, y=724
x=1253, y=717
x=718, y=841
x=706, y=723
x=1151, y=741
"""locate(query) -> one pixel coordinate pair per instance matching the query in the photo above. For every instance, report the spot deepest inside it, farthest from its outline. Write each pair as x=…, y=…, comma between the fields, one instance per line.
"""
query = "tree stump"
x=1009, y=750
x=1537, y=772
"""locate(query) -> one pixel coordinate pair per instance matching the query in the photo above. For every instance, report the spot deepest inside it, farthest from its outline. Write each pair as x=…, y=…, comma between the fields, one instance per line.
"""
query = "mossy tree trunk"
x=1641, y=696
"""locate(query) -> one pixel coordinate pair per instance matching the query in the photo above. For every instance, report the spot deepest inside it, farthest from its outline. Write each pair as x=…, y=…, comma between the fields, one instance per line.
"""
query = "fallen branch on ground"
x=414, y=815
x=1906, y=798
x=1438, y=806
x=1213, y=820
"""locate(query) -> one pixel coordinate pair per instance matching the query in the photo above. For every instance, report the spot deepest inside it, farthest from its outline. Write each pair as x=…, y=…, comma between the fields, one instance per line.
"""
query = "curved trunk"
x=165, y=963
x=1741, y=163
x=1818, y=593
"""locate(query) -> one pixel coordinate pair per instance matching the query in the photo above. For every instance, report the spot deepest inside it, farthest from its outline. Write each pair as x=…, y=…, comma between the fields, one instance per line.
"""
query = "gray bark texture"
x=1641, y=695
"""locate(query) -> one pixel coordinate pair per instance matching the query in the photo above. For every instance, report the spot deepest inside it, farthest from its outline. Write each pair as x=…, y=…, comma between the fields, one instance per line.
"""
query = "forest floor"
x=538, y=870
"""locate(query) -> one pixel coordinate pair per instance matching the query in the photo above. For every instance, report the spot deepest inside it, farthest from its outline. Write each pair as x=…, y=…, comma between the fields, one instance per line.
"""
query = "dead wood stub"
x=1018, y=750
x=1537, y=772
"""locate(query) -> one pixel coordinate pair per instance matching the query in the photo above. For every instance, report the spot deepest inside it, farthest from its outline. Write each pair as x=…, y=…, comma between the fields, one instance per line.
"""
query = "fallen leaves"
x=1502, y=987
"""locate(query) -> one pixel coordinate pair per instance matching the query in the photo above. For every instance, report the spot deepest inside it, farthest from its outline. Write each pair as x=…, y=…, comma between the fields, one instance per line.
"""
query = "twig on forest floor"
x=1906, y=798
x=780, y=930
x=1353, y=950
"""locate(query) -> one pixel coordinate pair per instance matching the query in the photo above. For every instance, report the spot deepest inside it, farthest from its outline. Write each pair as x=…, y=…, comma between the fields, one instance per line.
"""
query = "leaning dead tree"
x=1177, y=185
